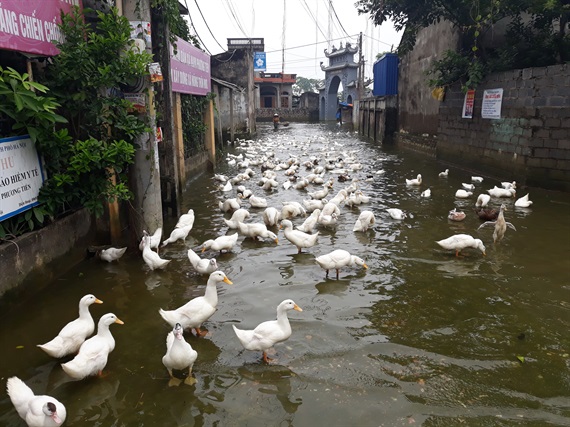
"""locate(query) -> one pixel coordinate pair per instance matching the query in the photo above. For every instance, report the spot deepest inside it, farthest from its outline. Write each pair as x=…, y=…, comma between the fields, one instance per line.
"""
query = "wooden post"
x=232, y=125
x=179, y=138
x=209, y=139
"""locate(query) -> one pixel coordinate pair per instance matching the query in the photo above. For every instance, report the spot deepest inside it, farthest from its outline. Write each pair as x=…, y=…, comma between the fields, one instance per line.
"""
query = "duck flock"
x=316, y=187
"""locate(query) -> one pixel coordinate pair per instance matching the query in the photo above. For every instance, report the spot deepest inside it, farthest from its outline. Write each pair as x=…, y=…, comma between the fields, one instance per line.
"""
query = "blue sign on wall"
x=259, y=61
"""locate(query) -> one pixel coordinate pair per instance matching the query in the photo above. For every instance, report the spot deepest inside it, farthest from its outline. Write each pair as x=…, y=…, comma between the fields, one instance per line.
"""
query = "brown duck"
x=499, y=224
x=487, y=214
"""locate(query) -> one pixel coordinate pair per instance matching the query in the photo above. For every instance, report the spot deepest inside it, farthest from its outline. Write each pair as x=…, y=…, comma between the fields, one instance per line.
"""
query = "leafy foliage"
x=98, y=147
x=29, y=112
x=540, y=41
x=193, y=127
x=303, y=84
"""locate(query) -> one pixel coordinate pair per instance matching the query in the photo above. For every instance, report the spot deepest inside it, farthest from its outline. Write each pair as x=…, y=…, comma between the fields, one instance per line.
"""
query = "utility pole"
x=360, y=69
x=146, y=212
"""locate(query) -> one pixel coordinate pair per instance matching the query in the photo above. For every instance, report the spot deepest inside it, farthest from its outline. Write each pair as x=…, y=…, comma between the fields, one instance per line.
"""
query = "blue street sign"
x=259, y=61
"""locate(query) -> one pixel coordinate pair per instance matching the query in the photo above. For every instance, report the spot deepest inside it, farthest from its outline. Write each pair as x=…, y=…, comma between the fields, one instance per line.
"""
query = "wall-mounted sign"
x=21, y=175
x=492, y=101
x=259, y=61
x=468, y=104
x=30, y=25
x=189, y=69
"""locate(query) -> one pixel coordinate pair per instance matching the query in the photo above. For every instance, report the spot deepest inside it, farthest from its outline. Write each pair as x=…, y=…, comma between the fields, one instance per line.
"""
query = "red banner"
x=30, y=25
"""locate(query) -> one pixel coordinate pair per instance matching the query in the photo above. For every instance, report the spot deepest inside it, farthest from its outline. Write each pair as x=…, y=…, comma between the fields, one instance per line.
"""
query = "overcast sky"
x=304, y=31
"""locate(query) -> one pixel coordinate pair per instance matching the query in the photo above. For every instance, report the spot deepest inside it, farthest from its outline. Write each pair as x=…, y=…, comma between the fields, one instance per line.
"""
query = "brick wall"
x=530, y=143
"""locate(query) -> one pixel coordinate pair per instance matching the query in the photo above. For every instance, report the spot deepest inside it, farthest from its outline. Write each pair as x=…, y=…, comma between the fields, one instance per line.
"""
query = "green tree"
x=95, y=61
x=541, y=41
x=304, y=84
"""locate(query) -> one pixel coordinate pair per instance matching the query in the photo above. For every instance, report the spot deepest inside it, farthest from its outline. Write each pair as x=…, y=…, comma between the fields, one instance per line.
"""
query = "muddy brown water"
x=420, y=338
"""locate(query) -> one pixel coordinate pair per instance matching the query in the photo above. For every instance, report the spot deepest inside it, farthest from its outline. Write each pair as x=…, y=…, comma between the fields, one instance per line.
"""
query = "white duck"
x=222, y=243
x=320, y=194
x=509, y=185
x=270, y=216
x=365, y=220
x=468, y=187
x=330, y=208
x=523, y=202
x=197, y=310
x=310, y=223
x=338, y=259
x=290, y=211
x=186, y=219
x=463, y=194
x=415, y=181
x=459, y=242
x=298, y=238
x=202, y=266
x=502, y=192
x=75, y=332
x=396, y=213
x=444, y=174
x=178, y=234
x=94, y=353
x=154, y=239
x=238, y=216
x=112, y=254
x=257, y=202
x=499, y=225
x=312, y=204
x=151, y=258
x=269, y=333
x=256, y=231
x=426, y=194
x=179, y=355
x=482, y=200
x=40, y=410
x=230, y=205
x=477, y=179
x=328, y=220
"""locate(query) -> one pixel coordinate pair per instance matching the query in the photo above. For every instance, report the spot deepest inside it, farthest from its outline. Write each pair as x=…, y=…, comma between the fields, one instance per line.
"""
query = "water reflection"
x=453, y=322
x=272, y=380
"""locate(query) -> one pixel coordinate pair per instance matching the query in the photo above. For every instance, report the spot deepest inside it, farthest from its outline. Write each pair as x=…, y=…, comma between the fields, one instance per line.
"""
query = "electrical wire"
x=196, y=32
x=340, y=23
x=207, y=26
x=307, y=9
x=236, y=19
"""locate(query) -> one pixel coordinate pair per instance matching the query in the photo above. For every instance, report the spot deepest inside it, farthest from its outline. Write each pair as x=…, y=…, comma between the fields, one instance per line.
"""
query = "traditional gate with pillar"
x=341, y=69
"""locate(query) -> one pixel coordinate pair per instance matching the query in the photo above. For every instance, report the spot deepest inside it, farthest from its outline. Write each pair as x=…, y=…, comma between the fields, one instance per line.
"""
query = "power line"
x=311, y=44
x=306, y=6
x=234, y=14
x=207, y=26
x=340, y=23
x=196, y=32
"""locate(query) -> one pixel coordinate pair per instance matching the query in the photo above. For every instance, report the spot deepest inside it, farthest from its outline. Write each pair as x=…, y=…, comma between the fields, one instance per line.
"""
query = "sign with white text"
x=21, y=175
x=492, y=101
x=30, y=25
x=259, y=61
x=189, y=69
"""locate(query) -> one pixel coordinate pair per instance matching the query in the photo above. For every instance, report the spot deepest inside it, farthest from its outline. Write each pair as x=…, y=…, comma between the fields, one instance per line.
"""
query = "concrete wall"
x=45, y=254
x=228, y=99
x=377, y=118
x=237, y=67
x=418, y=111
x=531, y=141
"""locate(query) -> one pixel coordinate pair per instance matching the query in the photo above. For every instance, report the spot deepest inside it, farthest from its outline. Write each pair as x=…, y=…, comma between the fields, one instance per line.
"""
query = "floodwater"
x=420, y=338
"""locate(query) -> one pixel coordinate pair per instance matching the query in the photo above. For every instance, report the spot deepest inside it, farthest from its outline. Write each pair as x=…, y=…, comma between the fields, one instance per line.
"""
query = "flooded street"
x=421, y=337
